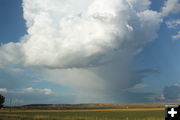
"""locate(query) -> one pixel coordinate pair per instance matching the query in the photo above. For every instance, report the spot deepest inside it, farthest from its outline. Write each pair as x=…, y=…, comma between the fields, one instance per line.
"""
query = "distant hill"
x=96, y=106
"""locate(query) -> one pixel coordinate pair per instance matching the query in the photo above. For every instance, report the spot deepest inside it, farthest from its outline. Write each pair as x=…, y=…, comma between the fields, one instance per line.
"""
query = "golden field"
x=84, y=114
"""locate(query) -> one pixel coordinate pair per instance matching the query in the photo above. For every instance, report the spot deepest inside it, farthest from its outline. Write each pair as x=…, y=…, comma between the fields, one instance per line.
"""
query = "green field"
x=98, y=114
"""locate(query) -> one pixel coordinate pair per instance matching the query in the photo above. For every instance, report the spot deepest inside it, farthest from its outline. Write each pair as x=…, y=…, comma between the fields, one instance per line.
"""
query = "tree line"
x=2, y=100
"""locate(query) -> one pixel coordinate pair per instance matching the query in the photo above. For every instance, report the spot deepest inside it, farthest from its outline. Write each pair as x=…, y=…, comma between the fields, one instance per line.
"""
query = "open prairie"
x=84, y=114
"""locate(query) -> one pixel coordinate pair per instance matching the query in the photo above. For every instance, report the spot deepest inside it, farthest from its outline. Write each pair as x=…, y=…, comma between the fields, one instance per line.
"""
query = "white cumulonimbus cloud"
x=65, y=34
x=97, y=38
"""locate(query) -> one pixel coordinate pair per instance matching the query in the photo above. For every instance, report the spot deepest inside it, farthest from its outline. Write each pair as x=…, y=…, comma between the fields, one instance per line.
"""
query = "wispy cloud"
x=171, y=6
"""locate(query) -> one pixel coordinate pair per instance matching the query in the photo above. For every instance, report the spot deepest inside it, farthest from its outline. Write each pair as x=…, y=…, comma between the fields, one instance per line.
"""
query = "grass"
x=95, y=114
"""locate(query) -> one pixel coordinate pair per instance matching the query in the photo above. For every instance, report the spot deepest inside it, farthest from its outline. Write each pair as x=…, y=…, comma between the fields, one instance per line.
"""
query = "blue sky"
x=159, y=61
x=12, y=21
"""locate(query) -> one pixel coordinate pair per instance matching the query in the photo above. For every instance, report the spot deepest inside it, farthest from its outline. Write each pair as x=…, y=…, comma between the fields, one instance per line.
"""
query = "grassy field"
x=92, y=114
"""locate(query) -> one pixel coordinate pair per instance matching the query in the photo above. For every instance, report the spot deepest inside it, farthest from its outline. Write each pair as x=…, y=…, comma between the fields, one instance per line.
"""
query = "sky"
x=93, y=51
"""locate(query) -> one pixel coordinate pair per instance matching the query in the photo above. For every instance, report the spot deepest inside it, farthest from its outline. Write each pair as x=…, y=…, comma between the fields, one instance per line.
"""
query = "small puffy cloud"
x=30, y=89
x=141, y=85
x=177, y=36
x=173, y=24
x=3, y=90
x=160, y=98
x=170, y=6
x=45, y=91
